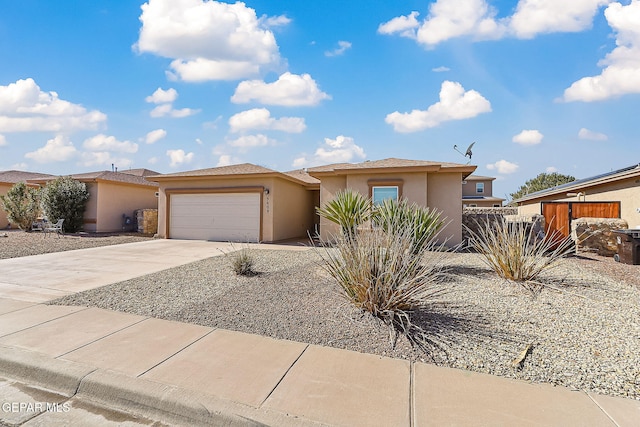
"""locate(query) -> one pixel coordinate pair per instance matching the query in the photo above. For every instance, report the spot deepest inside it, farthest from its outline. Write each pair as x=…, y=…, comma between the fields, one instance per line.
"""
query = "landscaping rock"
x=596, y=234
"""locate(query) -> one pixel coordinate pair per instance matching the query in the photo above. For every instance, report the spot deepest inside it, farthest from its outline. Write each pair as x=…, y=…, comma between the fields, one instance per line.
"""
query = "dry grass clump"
x=513, y=251
x=242, y=261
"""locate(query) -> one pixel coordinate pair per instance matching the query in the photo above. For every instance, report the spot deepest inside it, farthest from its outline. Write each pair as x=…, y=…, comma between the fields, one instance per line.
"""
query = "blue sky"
x=172, y=85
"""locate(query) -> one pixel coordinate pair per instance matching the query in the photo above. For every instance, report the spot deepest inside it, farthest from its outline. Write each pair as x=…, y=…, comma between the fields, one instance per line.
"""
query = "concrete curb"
x=135, y=395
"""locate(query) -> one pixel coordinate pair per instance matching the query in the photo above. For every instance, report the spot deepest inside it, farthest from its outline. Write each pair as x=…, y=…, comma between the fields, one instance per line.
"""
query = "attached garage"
x=215, y=216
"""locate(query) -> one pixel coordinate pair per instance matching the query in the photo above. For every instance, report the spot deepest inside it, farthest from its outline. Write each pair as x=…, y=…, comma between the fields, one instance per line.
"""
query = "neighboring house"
x=620, y=186
x=7, y=180
x=252, y=203
x=112, y=195
x=477, y=192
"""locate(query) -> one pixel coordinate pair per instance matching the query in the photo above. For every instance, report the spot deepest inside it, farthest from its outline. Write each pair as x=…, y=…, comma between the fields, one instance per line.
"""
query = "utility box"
x=628, y=246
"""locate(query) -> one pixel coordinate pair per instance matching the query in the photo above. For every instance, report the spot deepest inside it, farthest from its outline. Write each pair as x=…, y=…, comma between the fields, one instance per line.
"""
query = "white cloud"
x=3, y=141
x=26, y=108
x=209, y=40
x=161, y=96
x=454, y=104
x=289, y=90
x=152, y=160
x=224, y=160
x=57, y=149
x=503, y=166
x=245, y=142
x=198, y=141
x=167, y=110
x=440, y=69
x=551, y=169
x=260, y=118
x=528, y=137
x=103, y=142
x=449, y=19
x=20, y=166
x=591, y=135
x=341, y=149
x=179, y=157
x=343, y=46
x=621, y=73
x=103, y=158
x=155, y=136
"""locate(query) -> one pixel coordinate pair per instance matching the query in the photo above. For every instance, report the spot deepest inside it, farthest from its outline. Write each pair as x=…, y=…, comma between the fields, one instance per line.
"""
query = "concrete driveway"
x=40, y=278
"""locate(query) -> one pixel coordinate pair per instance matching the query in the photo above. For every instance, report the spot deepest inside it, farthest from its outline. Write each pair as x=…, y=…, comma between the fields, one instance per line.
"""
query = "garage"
x=215, y=216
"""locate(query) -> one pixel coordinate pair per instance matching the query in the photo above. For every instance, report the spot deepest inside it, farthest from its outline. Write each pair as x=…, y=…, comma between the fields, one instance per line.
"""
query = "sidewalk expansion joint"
x=602, y=409
x=411, y=393
x=41, y=323
x=283, y=376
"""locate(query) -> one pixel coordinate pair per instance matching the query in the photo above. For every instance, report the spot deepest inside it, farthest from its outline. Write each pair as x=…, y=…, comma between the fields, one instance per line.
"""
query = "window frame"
x=479, y=187
x=373, y=190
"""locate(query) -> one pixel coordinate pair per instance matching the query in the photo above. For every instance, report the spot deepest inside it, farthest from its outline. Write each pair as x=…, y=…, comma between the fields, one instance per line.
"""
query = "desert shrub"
x=348, y=209
x=513, y=251
x=65, y=198
x=421, y=222
x=22, y=205
x=380, y=274
x=242, y=262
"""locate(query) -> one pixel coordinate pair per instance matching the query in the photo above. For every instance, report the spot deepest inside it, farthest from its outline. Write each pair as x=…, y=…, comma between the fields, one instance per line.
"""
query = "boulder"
x=596, y=234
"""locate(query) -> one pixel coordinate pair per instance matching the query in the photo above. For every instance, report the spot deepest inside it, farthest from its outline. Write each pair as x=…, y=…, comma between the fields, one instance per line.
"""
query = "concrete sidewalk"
x=148, y=369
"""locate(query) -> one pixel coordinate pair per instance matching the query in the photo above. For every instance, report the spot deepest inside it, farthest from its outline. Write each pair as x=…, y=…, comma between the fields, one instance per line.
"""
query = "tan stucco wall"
x=292, y=214
x=285, y=210
x=91, y=211
x=329, y=186
x=444, y=194
x=116, y=199
x=469, y=189
x=4, y=222
x=627, y=192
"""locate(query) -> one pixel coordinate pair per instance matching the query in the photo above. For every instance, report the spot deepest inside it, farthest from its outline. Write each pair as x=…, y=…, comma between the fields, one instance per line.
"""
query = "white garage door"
x=218, y=217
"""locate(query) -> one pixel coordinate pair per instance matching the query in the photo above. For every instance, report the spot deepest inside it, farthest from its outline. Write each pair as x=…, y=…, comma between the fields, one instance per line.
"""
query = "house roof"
x=140, y=172
x=613, y=176
x=104, y=176
x=14, y=176
x=482, y=198
x=479, y=178
x=390, y=165
x=240, y=170
x=302, y=175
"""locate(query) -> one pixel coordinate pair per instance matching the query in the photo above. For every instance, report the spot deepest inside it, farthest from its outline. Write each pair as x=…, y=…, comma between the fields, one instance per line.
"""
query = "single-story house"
x=112, y=195
x=477, y=192
x=253, y=203
x=620, y=186
x=7, y=180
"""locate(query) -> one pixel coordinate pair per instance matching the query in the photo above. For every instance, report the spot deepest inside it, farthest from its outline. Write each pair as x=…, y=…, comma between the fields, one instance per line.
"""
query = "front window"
x=479, y=187
x=379, y=194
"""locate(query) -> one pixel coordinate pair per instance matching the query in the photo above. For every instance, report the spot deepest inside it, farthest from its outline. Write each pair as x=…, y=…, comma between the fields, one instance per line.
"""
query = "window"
x=495, y=205
x=479, y=187
x=473, y=205
x=379, y=194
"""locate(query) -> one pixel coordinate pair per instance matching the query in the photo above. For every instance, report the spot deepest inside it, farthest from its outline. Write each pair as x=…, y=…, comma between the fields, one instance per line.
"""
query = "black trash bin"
x=628, y=246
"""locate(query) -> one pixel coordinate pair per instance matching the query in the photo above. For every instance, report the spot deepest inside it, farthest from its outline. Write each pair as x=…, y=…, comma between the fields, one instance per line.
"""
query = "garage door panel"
x=226, y=216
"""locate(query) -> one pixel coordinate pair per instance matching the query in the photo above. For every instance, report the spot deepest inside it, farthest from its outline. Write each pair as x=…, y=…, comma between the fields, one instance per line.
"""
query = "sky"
x=175, y=85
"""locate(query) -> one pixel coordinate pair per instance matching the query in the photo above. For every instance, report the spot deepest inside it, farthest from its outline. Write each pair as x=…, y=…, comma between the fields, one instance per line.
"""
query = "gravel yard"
x=585, y=333
x=19, y=243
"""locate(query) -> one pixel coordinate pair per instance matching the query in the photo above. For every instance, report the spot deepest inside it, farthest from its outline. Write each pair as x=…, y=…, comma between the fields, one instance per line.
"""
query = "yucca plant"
x=396, y=216
x=242, y=261
x=514, y=252
x=381, y=275
x=349, y=209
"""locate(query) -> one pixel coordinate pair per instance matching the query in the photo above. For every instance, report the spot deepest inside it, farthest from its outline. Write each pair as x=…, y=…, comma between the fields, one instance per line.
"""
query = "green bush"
x=381, y=275
x=422, y=223
x=65, y=198
x=22, y=205
x=513, y=251
x=348, y=209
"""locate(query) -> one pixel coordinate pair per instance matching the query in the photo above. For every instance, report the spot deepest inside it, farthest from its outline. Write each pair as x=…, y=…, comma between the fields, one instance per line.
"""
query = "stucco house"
x=253, y=203
x=7, y=180
x=477, y=192
x=619, y=186
x=112, y=195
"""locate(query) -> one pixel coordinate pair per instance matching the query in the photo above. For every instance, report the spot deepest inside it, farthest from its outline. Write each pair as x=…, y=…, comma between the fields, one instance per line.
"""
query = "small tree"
x=65, y=198
x=541, y=182
x=22, y=204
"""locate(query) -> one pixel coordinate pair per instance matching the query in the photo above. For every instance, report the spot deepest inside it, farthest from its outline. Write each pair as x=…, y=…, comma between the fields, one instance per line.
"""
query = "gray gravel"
x=17, y=243
x=585, y=332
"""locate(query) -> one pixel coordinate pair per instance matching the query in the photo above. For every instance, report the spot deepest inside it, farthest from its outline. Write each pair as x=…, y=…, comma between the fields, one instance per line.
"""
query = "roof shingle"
x=14, y=176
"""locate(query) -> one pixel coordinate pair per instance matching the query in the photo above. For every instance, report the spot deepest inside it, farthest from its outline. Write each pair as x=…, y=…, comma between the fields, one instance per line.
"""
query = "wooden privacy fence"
x=558, y=215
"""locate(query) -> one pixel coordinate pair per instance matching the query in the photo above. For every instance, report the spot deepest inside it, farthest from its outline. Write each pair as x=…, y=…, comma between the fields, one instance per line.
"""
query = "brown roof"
x=14, y=176
x=479, y=178
x=104, y=176
x=241, y=169
x=302, y=175
x=140, y=172
x=390, y=163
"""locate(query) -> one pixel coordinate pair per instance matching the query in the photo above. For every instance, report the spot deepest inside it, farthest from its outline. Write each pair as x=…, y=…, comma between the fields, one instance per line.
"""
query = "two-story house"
x=477, y=192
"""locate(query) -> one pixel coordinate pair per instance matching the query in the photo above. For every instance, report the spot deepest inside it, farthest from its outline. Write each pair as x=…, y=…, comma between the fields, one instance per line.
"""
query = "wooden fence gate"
x=558, y=215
